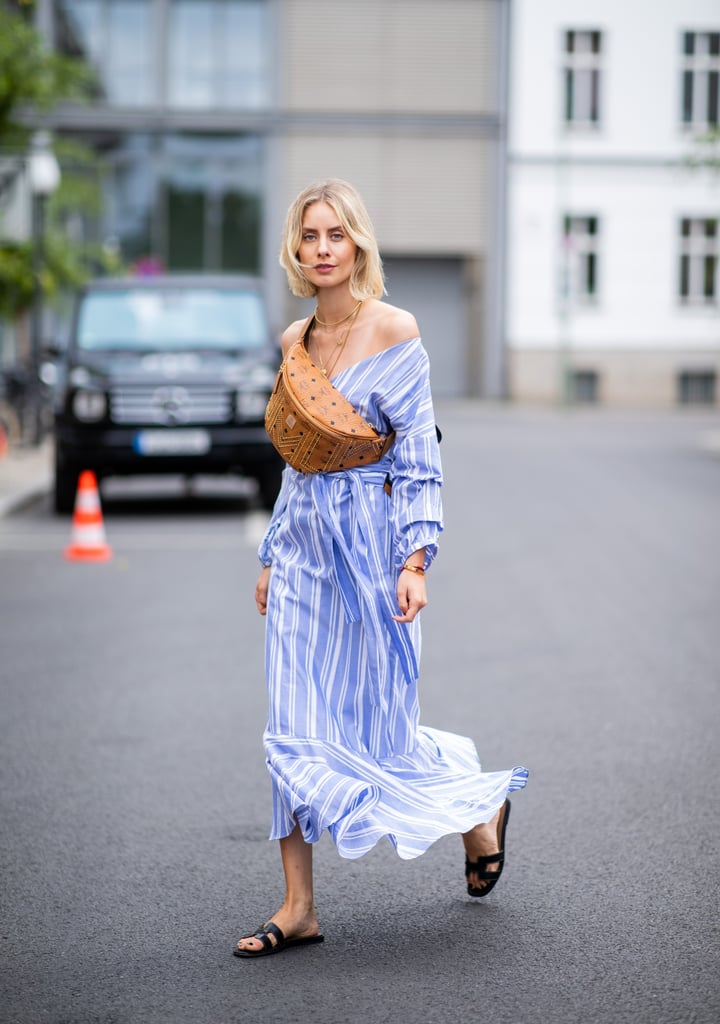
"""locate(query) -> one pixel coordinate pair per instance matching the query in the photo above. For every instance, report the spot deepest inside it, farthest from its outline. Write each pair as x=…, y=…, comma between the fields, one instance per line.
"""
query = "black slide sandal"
x=479, y=866
x=269, y=947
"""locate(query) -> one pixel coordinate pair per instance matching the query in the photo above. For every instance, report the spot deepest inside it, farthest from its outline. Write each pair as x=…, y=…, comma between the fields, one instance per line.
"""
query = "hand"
x=261, y=590
x=411, y=595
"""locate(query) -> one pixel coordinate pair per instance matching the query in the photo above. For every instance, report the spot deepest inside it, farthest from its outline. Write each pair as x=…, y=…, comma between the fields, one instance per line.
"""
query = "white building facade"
x=613, y=288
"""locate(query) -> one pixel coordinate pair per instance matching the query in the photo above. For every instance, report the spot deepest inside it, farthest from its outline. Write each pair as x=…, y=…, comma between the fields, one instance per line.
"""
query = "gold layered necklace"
x=342, y=320
x=351, y=318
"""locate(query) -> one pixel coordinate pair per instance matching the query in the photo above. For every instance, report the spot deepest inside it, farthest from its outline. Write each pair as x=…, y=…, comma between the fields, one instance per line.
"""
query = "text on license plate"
x=172, y=442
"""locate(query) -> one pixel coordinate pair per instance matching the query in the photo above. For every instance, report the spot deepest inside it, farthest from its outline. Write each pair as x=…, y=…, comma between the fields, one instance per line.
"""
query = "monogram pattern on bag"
x=313, y=426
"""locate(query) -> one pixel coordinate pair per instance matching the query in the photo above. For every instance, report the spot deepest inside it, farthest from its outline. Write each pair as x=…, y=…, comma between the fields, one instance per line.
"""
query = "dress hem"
x=367, y=817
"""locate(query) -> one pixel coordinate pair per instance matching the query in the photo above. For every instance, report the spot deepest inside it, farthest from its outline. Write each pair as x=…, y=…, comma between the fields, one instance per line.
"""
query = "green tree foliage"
x=706, y=153
x=32, y=80
x=32, y=76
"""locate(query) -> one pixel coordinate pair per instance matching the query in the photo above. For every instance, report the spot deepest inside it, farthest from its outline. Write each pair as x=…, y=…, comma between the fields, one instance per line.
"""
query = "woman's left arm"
x=416, y=475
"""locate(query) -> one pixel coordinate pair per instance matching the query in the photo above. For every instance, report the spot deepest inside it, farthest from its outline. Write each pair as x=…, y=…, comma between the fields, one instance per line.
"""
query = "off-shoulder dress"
x=344, y=746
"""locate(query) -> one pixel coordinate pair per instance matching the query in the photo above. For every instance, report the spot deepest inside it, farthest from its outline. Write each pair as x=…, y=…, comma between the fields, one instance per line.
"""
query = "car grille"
x=171, y=405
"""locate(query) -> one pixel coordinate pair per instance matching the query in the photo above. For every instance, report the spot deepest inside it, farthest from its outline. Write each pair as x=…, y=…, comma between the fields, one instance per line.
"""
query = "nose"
x=323, y=246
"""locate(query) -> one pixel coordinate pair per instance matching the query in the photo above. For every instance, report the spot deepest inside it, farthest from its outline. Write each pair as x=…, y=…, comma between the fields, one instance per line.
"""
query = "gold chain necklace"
x=327, y=370
x=334, y=323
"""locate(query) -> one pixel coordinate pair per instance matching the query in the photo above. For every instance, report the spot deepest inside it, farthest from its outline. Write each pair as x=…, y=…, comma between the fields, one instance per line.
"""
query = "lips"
x=324, y=266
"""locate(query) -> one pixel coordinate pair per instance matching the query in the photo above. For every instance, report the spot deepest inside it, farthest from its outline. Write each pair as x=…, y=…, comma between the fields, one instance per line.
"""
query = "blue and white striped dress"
x=343, y=742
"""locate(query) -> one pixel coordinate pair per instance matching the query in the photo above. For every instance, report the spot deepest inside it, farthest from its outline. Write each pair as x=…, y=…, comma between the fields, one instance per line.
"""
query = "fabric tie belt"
x=366, y=588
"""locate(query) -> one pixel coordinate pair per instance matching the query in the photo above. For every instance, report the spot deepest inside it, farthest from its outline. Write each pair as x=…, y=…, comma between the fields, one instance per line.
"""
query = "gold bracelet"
x=415, y=568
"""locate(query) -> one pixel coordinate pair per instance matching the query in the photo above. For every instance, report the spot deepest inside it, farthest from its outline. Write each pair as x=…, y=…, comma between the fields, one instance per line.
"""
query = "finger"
x=410, y=608
x=407, y=616
x=407, y=609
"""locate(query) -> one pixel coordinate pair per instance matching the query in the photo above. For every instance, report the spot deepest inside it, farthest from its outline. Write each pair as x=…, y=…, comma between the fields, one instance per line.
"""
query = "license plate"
x=172, y=442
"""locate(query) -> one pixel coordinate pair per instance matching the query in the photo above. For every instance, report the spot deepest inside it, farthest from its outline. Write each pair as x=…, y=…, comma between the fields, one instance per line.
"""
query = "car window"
x=171, y=319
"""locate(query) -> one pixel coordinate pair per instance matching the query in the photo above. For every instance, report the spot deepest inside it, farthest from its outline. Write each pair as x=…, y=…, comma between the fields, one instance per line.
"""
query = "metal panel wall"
x=403, y=98
x=426, y=196
x=386, y=55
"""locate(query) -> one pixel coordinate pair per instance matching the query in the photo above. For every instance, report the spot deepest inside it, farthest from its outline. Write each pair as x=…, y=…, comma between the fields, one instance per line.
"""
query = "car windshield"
x=171, y=319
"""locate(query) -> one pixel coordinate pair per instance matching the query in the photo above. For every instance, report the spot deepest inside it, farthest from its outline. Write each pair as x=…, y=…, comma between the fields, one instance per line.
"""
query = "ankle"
x=299, y=907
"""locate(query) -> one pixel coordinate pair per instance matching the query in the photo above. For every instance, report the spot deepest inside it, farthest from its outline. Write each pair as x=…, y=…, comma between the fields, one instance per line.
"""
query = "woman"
x=342, y=583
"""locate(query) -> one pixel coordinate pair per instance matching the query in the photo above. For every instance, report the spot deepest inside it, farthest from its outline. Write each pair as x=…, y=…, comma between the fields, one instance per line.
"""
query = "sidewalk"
x=25, y=474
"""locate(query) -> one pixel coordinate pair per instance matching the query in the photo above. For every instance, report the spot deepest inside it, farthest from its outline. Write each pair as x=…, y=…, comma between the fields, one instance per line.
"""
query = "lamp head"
x=43, y=166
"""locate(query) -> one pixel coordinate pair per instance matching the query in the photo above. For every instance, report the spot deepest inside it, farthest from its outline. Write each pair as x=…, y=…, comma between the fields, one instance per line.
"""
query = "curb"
x=25, y=476
x=13, y=502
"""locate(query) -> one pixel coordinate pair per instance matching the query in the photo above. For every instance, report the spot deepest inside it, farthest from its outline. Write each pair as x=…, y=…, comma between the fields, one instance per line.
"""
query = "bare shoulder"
x=394, y=325
x=291, y=335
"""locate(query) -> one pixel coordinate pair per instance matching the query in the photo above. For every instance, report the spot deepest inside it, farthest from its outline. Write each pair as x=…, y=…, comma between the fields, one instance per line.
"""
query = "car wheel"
x=269, y=480
x=66, y=478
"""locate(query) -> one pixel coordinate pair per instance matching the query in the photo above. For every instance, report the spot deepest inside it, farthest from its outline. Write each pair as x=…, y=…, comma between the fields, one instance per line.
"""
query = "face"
x=326, y=251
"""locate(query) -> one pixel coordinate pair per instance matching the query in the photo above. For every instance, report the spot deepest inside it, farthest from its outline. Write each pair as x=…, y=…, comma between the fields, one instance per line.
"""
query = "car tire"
x=66, y=478
x=269, y=480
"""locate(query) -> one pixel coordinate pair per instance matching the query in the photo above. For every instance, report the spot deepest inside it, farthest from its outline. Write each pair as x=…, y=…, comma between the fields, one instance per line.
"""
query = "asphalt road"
x=573, y=627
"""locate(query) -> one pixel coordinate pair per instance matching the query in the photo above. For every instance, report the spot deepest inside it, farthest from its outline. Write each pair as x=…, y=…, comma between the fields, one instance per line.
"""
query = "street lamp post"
x=44, y=174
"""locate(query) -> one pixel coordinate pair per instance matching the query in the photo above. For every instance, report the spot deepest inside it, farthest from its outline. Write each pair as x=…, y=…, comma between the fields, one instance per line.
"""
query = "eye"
x=337, y=236
x=308, y=236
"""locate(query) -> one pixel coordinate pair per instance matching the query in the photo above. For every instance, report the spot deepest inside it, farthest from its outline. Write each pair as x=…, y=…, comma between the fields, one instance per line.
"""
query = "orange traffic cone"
x=87, y=543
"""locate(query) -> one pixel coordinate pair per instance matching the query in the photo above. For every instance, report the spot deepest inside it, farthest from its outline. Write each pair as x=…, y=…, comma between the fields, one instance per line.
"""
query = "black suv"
x=166, y=374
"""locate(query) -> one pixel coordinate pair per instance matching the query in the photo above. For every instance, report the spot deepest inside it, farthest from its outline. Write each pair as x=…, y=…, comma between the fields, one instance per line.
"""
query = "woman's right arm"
x=261, y=590
x=261, y=587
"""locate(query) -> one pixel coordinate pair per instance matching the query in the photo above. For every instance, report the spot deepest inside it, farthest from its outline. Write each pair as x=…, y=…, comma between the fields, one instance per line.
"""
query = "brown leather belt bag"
x=313, y=426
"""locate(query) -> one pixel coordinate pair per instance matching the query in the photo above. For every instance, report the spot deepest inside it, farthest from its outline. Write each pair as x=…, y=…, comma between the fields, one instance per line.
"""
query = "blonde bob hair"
x=366, y=280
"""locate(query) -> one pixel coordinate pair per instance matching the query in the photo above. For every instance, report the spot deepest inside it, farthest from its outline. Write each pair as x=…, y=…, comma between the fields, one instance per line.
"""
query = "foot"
x=482, y=841
x=293, y=924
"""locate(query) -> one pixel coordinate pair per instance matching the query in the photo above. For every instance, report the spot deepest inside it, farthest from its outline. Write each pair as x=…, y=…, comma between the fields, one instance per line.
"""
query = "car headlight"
x=250, y=405
x=89, y=406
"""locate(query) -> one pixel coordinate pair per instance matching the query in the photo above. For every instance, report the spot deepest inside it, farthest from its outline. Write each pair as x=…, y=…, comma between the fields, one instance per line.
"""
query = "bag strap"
x=307, y=327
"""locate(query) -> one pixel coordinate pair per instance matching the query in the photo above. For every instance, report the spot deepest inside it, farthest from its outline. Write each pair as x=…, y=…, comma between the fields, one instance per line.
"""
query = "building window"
x=581, y=237
x=210, y=202
x=218, y=54
x=696, y=387
x=183, y=201
x=116, y=37
x=699, y=250
x=131, y=190
x=581, y=78
x=700, y=79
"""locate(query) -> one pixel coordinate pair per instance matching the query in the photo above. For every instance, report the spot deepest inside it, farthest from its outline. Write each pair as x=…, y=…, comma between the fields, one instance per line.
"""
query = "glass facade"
x=174, y=198
x=216, y=55
x=192, y=54
x=185, y=202
x=210, y=199
x=117, y=38
x=130, y=186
